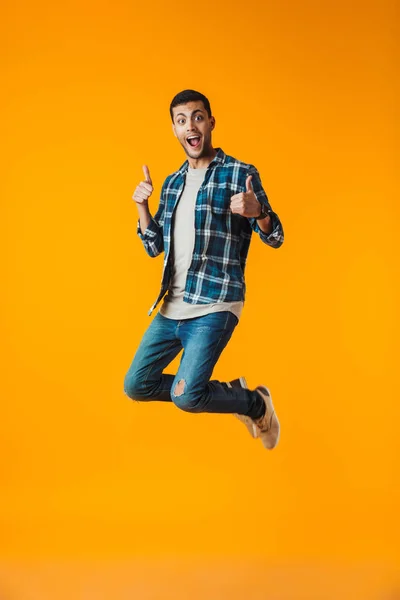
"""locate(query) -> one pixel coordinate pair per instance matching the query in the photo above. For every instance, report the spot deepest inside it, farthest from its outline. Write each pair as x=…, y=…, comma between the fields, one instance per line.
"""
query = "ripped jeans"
x=203, y=340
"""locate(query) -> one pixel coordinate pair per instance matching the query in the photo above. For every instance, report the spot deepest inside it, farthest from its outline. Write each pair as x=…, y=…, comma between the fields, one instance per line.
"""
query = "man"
x=208, y=210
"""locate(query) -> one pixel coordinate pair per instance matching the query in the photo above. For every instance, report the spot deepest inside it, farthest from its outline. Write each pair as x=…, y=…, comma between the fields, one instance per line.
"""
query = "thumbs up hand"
x=246, y=203
x=144, y=190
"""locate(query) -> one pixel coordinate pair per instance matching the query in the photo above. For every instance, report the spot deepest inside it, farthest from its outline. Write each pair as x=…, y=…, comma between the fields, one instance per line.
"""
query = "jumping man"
x=207, y=213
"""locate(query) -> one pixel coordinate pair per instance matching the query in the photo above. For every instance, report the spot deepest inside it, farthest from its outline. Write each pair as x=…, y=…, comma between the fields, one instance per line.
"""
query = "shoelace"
x=262, y=422
x=267, y=426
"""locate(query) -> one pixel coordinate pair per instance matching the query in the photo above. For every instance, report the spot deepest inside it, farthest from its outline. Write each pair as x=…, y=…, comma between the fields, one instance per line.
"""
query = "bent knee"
x=184, y=398
x=132, y=387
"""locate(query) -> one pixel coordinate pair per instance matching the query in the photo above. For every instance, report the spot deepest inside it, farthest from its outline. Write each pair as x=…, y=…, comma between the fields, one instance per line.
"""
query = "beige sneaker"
x=268, y=425
x=248, y=421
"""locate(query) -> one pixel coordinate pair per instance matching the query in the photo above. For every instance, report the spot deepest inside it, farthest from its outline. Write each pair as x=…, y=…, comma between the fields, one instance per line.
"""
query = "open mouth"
x=194, y=141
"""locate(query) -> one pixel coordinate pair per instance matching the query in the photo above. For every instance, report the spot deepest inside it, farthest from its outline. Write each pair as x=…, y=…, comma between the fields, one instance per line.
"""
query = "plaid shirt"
x=222, y=238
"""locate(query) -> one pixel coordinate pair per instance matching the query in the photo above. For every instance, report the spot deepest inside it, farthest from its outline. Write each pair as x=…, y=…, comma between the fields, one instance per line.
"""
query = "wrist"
x=264, y=212
x=143, y=207
x=265, y=225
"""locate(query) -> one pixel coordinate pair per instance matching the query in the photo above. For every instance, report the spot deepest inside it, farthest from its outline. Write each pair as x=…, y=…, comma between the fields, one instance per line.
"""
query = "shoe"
x=268, y=426
x=248, y=421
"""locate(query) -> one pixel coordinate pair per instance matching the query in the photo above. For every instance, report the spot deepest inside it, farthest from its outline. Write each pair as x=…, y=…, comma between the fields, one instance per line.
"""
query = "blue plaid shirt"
x=222, y=238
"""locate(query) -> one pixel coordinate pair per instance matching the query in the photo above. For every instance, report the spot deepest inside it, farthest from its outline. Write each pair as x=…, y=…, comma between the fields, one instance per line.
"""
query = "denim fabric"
x=202, y=340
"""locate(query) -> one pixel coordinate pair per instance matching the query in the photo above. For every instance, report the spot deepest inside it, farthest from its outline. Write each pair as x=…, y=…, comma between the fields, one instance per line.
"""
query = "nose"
x=190, y=127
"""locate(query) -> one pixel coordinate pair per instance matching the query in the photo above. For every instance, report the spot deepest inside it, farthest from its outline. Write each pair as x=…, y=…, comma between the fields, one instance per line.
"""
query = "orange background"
x=110, y=487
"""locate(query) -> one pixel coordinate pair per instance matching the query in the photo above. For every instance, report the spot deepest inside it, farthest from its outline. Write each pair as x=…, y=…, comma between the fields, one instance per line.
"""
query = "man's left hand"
x=246, y=203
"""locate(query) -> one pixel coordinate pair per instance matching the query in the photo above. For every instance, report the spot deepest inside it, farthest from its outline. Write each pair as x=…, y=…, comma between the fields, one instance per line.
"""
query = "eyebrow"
x=195, y=111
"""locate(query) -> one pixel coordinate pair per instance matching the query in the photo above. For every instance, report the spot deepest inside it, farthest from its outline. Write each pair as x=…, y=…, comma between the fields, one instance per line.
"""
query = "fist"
x=246, y=203
x=145, y=188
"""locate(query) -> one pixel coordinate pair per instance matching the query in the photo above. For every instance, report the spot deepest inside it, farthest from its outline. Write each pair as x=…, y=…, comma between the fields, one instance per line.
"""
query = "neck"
x=203, y=161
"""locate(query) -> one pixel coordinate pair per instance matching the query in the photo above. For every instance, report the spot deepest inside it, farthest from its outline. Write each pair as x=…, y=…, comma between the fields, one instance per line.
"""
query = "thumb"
x=249, y=187
x=147, y=174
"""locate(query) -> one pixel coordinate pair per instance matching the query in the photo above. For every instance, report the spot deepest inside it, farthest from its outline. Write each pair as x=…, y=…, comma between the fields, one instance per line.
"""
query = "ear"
x=212, y=120
x=173, y=129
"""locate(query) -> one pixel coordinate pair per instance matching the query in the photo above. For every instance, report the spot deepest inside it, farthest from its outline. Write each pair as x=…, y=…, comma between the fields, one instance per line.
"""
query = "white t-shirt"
x=182, y=245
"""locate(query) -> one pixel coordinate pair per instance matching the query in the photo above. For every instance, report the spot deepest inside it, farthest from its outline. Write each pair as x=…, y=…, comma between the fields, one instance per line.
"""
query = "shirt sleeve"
x=153, y=237
x=276, y=237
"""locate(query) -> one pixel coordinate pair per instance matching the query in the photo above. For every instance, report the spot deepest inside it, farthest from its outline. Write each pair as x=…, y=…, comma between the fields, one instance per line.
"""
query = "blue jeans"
x=202, y=339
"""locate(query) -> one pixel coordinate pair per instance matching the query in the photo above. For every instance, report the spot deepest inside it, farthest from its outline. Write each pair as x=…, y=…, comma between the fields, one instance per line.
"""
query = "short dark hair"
x=189, y=96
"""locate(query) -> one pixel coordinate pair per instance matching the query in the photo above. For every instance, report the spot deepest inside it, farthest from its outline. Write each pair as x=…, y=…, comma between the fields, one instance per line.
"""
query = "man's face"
x=191, y=120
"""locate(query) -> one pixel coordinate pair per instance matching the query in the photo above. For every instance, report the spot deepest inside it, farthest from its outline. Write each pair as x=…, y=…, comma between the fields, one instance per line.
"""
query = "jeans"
x=203, y=340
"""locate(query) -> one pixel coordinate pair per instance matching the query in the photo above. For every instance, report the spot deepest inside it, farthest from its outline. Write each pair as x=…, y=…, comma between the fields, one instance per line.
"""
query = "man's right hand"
x=145, y=188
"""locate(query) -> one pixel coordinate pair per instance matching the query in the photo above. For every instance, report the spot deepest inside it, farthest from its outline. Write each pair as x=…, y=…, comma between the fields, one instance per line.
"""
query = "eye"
x=179, y=120
x=199, y=117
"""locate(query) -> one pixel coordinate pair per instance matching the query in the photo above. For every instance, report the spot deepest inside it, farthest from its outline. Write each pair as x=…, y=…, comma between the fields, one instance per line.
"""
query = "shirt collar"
x=219, y=158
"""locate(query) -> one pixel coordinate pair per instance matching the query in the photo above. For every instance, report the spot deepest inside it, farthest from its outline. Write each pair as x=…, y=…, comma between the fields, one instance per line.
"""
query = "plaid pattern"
x=222, y=239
